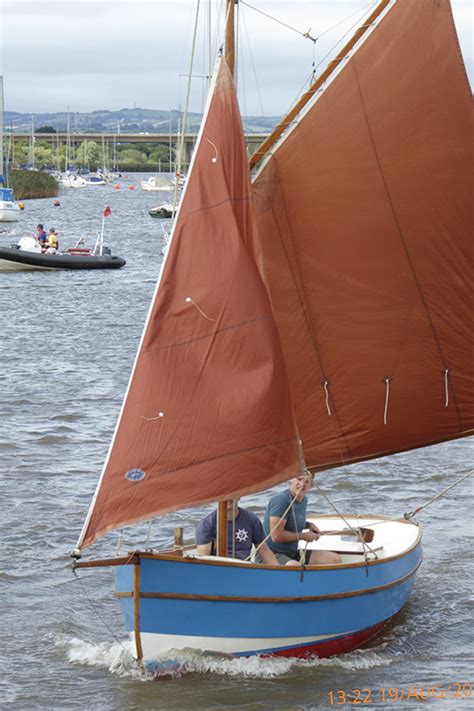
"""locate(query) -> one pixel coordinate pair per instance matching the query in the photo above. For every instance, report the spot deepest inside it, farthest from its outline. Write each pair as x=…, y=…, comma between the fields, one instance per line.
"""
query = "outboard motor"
x=28, y=244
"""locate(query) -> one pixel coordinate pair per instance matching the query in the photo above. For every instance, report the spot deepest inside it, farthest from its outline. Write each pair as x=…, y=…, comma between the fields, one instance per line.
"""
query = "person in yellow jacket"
x=52, y=242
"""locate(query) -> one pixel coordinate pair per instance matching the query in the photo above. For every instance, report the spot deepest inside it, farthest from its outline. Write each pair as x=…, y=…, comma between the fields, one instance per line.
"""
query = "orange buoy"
x=131, y=187
x=116, y=187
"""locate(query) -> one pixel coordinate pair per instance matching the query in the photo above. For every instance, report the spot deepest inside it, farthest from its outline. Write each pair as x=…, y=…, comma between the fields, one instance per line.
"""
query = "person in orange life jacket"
x=244, y=528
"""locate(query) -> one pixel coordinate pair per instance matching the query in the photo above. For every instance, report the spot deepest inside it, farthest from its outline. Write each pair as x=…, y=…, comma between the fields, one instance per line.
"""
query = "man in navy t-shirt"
x=285, y=520
x=243, y=526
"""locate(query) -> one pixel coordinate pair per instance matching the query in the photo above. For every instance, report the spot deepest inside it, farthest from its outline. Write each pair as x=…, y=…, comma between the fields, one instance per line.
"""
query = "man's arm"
x=280, y=535
x=204, y=549
x=312, y=527
x=205, y=535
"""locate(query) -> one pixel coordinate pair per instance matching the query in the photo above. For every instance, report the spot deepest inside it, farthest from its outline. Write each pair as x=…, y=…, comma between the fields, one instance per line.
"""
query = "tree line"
x=91, y=155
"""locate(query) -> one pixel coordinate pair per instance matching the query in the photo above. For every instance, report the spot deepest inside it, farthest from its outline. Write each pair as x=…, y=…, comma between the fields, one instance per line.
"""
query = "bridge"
x=253, y=140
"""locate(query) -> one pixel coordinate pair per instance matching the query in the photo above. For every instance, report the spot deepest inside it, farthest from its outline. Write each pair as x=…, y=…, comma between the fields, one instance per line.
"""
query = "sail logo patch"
x=135, y=475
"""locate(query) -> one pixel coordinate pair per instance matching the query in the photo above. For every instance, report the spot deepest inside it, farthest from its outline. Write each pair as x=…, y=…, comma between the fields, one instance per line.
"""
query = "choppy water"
x=68, y=341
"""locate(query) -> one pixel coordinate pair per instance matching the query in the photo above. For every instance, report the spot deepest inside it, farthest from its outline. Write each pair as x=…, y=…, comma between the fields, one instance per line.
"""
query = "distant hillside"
x=129, y=120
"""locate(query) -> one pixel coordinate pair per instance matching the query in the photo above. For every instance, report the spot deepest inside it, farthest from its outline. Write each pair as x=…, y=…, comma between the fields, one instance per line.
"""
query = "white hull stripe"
x=155, y=644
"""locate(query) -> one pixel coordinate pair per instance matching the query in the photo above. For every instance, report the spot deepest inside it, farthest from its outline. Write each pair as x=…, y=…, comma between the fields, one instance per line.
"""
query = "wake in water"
x=118, y=658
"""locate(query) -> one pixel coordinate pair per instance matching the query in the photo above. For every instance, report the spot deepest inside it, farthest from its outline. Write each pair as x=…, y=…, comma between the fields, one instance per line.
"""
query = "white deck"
x=391, y=538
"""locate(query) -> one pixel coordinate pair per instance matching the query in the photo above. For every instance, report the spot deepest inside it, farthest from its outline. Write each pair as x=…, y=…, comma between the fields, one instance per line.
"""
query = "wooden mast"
x=229, y=54
x=272, y=138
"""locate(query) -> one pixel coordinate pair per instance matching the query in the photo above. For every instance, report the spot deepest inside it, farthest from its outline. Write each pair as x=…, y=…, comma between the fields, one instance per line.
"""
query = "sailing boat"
x=315, y=318
x=9, y=209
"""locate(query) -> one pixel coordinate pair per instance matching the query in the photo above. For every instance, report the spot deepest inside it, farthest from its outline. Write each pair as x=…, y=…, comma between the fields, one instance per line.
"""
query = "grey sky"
x=112, y=54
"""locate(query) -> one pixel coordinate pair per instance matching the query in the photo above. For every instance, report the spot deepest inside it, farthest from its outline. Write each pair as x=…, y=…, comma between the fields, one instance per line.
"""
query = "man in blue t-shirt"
x=243, y=526
x=286, y=522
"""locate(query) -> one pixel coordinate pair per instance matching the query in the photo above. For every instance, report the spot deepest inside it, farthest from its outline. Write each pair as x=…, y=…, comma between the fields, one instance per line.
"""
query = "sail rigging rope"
x=118, y=544
x=101, y=619
x=306, y=35
x=406, y=516
x=272, y=530
x=409, y=514
x=252, y=62
x=357, y=532
x=148, y=535
x=315, y=66
x=185, y=113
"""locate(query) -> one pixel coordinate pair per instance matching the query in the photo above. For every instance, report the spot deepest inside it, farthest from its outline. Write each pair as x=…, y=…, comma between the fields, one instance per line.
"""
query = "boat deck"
x=391, y=539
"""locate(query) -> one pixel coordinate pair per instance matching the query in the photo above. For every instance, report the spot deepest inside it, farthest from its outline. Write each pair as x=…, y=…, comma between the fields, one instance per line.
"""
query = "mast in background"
x=33, y=140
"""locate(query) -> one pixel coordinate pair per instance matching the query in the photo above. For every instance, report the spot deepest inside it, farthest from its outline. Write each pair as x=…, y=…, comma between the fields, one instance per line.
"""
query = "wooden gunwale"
x=306, y=598
x=172, y=557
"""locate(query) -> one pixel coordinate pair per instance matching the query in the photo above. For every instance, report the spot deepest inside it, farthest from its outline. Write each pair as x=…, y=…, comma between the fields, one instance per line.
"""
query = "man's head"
x=300, y=485
x=232, y=508
x=39, y=227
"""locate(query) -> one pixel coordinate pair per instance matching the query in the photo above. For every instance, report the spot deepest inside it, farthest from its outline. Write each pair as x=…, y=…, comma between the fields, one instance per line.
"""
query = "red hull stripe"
x=340, y=645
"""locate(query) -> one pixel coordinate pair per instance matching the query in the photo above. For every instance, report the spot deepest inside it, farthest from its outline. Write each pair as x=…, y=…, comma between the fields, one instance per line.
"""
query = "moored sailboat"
x=311, y=320
x=9, y=208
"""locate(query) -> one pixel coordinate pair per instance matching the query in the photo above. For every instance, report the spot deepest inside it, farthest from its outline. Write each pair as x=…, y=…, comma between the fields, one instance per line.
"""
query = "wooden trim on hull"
x=308, y=598
x=131, y=559
x=136, y=610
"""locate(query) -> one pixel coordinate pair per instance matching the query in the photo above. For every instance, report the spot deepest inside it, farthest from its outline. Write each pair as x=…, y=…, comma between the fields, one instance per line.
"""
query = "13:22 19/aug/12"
x=359, y=697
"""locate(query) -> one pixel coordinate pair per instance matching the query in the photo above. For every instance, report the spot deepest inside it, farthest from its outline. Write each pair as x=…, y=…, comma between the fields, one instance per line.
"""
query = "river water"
x=68, y=341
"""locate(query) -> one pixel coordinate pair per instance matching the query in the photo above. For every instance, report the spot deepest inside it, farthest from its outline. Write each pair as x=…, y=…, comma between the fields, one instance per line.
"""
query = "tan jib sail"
x=208, y=411
x=364, y=216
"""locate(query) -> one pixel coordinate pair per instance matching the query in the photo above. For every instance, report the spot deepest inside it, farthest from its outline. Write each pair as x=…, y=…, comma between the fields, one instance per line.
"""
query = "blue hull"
x=246, y=609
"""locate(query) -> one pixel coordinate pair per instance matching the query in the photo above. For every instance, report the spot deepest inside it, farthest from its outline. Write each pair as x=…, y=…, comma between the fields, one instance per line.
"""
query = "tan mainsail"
x=361, y=228
x=208, y=410
x=364, y=216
